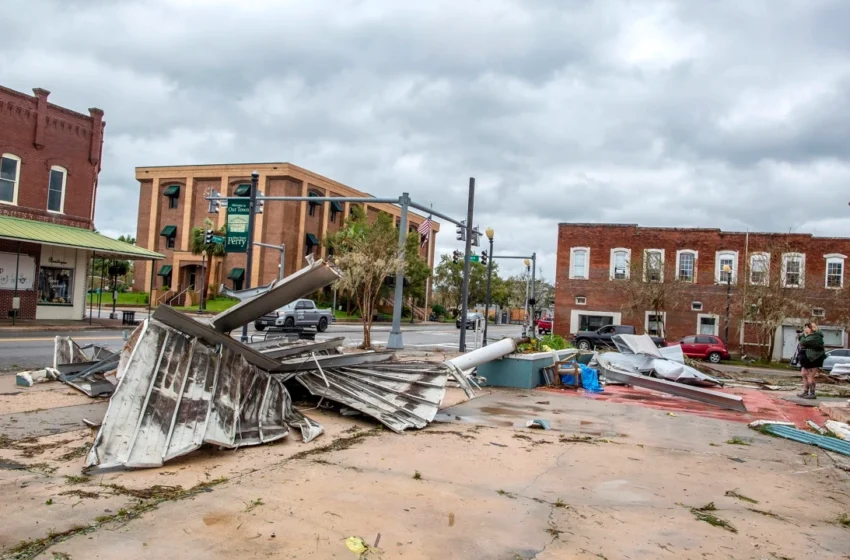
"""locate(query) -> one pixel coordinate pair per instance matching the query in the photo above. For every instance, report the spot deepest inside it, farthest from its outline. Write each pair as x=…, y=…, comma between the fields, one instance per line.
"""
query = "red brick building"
x=50, y=158
x=600, y=266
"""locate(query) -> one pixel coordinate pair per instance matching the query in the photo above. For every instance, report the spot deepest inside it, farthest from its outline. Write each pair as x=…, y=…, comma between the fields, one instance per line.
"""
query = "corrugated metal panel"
x=66, y=236
x=824, y=442
x=178, y=392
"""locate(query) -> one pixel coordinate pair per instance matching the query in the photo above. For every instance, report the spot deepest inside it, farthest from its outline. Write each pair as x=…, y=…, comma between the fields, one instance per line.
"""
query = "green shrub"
x=438, y=310
x=554, y=342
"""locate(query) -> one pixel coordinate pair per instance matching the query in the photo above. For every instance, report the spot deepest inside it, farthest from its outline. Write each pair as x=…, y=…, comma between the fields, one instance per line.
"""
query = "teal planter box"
x=521, y=371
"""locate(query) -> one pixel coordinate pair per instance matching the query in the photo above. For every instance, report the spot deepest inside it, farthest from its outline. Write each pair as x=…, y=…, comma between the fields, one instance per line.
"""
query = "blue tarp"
x=589, y=379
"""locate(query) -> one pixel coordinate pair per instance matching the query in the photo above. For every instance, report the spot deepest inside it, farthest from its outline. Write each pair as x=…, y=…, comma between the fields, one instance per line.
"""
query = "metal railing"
x=190, y=287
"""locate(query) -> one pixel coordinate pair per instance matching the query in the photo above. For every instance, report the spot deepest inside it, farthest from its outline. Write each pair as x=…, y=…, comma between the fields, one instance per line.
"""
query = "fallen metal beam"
x=301, y=284
x=824, y=442
x=722, y=400
x=327, y=362
x=280, y=352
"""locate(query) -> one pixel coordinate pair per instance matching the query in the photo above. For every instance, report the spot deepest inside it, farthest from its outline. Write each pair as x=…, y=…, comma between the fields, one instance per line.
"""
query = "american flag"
x=424, y=232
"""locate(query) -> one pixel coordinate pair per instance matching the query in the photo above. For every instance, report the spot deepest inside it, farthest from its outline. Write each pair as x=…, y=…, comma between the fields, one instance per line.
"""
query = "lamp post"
x=728, y=270
x=525, y=323
x=490, y=233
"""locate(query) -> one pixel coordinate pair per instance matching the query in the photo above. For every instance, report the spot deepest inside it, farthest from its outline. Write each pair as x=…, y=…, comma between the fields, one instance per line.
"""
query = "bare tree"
x=774, y=291
x=649, y=284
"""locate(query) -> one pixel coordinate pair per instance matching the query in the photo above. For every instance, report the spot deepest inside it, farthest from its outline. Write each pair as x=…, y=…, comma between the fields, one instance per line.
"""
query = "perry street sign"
x=217, y=239
x=237, y=226
x=474, y=258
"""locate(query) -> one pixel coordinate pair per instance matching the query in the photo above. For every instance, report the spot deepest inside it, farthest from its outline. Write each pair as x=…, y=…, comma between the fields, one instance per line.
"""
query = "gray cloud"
x=712, y=114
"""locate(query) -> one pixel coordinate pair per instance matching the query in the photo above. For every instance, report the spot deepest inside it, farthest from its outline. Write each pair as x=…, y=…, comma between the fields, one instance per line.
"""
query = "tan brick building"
x=172, y=202
x=592, y=258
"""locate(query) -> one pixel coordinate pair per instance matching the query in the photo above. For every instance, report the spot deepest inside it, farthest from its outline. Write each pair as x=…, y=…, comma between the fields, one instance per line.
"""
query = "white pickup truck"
x=299, y=313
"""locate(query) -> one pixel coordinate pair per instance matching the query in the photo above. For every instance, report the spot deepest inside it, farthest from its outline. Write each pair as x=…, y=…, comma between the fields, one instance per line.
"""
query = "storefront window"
x=55, y=286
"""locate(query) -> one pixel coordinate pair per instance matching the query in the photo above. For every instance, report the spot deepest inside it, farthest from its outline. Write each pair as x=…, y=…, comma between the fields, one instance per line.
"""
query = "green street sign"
x=217, y=239
x=474, y=258
x=237, y=226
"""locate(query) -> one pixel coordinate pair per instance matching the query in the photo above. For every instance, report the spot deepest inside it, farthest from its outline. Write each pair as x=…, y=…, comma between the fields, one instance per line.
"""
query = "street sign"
x=237, y=226
x=217, y=239
x=474, y=258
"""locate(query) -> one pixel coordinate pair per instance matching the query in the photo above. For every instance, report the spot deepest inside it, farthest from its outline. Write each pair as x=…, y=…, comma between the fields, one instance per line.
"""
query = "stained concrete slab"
x=609, y=480
x=38, y=423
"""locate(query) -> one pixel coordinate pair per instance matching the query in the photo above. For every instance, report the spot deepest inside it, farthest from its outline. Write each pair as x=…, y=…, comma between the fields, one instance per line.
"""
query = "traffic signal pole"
x=249, y=260
x=467, y=253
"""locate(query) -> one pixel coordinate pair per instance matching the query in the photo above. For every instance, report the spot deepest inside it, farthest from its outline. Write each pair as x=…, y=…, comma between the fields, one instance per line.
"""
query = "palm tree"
x=208, y=250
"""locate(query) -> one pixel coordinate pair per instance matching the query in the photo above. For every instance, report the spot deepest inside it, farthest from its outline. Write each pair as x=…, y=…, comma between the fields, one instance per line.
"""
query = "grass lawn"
x=343, y=315
x=125, y=298
x=216, y=305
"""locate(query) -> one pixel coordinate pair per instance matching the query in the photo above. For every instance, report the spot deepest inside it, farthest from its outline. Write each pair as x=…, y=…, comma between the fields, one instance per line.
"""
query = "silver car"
x=838, y=356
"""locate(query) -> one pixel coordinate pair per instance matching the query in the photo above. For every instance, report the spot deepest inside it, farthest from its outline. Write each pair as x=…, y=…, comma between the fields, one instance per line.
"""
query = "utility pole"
x=282, y=249
x=532, y=300
x=467, y=254
x=489, y=233
x=395, y=341
x=249, y=260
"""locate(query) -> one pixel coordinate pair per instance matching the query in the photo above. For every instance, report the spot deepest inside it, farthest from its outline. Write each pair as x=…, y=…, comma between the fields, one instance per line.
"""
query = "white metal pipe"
x=484, y=354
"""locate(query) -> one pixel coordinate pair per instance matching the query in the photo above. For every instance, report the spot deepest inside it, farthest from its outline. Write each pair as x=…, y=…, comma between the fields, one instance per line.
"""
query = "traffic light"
x=476, y=237
x=216, y=205
x=456, y=257
x=208, y=237
x=484, y=257
x=461, y=231
x=260, y=203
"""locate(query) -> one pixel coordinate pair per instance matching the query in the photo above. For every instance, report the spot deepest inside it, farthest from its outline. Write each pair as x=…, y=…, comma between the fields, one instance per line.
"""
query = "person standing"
x=811, y=356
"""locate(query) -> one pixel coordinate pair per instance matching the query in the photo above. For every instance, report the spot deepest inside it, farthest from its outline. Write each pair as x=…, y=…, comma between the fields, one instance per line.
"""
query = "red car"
x=544, y=325
x=705, y=347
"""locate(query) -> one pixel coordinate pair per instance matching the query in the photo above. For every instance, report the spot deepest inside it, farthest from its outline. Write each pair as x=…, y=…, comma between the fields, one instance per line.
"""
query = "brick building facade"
x=601, y=265
x=49, y=163
x=172, y=202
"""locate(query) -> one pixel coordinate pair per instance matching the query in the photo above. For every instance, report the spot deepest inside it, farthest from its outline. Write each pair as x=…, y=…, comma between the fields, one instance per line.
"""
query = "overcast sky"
x=731, y=114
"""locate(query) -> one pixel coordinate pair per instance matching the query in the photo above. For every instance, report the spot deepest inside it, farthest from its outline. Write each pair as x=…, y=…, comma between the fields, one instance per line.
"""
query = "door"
x=702, y=344
x=302, y=314
x=311, y=313
x=789, y=342
x=688, y=345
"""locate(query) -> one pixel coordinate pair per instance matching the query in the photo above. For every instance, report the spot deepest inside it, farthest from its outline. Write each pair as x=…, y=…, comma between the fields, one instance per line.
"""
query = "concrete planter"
x=521, y=371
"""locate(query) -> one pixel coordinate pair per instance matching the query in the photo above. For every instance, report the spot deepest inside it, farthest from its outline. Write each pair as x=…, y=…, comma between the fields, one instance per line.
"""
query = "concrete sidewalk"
x=23, y=325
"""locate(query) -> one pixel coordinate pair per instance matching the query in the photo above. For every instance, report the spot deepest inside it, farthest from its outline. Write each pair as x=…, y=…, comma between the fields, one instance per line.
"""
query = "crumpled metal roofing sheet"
x=824, y=442
x=179, y=392
x=399, y=395
x=301, y=284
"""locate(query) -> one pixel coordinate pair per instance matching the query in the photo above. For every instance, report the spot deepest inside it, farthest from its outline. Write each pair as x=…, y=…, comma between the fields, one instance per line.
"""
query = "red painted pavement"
x=761, y=405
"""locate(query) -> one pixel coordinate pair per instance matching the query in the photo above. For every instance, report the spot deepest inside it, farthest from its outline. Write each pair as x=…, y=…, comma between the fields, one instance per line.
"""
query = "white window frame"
x=573, y=251
x=616, y=317
x=14, y=200
x=694, y=305
x=663, y=319
x=833, y=258
x=646, y=253
x=678, y=264
x=612, y=262
x=787, y=257
x=756, y=257
x=64, y=185
x=715, y=316
x=718, y=256
x=821, y=312
x=583, y=300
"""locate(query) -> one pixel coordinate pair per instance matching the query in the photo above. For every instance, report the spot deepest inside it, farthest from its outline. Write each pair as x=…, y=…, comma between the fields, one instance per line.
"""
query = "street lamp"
x=728, y=270
x=526, y=323
x=490, y=233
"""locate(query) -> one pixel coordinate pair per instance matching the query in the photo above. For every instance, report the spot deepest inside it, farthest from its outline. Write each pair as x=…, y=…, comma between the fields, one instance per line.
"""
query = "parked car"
x=544, y=325
x=705, y=347
x=588, y=340
x=299, y=313
x=837, y=356
x=472, y=317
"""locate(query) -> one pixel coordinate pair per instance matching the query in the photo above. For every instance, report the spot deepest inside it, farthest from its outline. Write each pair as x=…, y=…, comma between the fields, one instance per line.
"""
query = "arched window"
x=56, y=189
x=10, y=173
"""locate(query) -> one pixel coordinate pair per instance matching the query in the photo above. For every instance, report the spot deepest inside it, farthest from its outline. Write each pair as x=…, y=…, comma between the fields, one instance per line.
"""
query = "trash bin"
x=504, y=317
x=129, y=318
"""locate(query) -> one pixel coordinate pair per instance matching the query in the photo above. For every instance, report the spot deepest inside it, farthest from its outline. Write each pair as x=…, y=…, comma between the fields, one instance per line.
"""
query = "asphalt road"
x=34, y=349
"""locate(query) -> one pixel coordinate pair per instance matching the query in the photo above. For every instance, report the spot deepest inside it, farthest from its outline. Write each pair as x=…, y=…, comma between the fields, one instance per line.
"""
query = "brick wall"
x=601, y=294
x=45, y=135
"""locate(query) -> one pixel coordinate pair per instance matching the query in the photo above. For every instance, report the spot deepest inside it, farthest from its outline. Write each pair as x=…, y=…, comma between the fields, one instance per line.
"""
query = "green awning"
x=169, y=231
x=236, y=274
x=18, y=229
x=312, y=240
x=164, y=270
x=242, y=190
x=336, y=206
x=314, y=195
x=173, y=190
